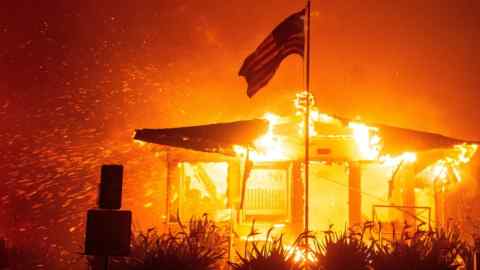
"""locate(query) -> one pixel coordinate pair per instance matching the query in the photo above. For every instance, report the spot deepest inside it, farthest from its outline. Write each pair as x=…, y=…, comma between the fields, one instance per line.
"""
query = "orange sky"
x=406, y=64
x=167, y=63
x=411, y=65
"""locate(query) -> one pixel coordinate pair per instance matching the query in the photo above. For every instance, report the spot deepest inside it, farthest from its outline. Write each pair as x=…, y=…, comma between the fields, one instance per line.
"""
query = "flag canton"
x=290, y=27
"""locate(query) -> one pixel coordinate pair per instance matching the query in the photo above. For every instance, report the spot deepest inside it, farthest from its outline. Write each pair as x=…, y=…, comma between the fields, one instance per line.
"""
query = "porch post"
x=233, y=186
x=297, y=199
x=409, y=197
x=354, y=193
x=172, y=204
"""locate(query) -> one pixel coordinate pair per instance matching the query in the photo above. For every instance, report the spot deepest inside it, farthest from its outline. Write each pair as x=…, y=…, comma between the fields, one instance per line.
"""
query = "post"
x=233, y=191
x=108, y=228
x=439, y=204
x=297, y=200
x=246, y=174
x=354, y=194
x=409, y=197
x=307, y=116
x=173, y=186
x=234, y=181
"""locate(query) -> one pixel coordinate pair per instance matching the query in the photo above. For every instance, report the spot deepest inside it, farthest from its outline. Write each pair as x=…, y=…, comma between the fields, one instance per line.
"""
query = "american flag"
x=287, y=38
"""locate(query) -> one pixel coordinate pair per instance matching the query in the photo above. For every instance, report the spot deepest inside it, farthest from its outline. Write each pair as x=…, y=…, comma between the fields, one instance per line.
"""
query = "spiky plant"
x=271, y=254
x=424, y=250
x=446, y=246
x=467, y=252
x=198, y=246
x=342, y=251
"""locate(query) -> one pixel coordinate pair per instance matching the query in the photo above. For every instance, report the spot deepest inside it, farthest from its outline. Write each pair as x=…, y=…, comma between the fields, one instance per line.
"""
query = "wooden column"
x=173, y=189
x=297, y=199
x=354, y=193
x=234, y=195
x=439, y=204
x=234, y=181
x=409, y=196
x=161, y=188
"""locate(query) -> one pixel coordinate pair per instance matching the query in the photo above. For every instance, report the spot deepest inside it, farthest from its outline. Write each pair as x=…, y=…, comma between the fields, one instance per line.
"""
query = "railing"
x=420, y=215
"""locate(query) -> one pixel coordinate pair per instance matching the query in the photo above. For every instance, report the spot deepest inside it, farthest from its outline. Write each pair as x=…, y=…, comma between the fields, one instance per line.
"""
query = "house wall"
x=329, y=194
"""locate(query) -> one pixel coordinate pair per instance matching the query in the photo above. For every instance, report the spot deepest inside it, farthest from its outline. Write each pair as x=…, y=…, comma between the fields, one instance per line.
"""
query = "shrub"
x=344, y=251
x=424, y=250
x=198, y=246
x=271, y=254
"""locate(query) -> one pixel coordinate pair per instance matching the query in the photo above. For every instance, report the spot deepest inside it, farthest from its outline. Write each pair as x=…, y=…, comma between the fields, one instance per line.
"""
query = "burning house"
x=252, y=170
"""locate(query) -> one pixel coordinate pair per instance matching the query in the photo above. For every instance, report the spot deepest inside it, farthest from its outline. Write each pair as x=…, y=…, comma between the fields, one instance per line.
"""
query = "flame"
x=139, y=143
x=300, y=254
x=269, y=147
x=463, y=154
x=368, y=142
x=275, y=147
x=460, y=155
x=325, y=118
x=406, y=157
x=300, y=104
x=440, y=171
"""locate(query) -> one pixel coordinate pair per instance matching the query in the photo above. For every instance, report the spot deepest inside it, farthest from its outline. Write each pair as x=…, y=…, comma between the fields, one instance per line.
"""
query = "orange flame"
x=461, y=154
x=269, y=147
x=368, y=143
x=274, y=146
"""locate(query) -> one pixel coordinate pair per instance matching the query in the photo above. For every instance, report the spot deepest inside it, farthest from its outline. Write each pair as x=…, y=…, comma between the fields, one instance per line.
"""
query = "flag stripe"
x=260, y=62
x=257, y=85
x=266, y=55
x=263, y=76
x=273, y=63
x=259, y=54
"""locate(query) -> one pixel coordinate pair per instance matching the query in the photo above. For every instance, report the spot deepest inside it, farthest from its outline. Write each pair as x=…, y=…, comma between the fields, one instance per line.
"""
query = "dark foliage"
x=424, y=250
x=198, y=246
x=344, y=251
x=201, y=245
x=270, y=254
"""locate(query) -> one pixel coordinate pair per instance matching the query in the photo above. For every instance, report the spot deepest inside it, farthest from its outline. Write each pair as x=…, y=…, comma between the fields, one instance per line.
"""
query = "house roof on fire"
x=216, y=138
x=221, y=137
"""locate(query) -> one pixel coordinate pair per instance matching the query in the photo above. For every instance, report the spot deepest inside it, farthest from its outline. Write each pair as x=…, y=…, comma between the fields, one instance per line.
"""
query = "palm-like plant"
x=271, y=254
x=198, y=246
x=344, y=251
x=424, y=250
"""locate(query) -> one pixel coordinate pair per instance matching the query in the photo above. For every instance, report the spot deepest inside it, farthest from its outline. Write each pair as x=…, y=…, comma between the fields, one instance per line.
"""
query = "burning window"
x=201, y=189
x=267, y=193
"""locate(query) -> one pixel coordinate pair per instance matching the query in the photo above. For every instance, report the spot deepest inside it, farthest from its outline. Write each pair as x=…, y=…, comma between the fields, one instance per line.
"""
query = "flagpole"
x=307, y=116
